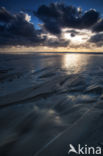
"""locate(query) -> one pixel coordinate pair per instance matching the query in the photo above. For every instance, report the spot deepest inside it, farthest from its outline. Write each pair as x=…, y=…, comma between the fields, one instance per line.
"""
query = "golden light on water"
x=73, y=62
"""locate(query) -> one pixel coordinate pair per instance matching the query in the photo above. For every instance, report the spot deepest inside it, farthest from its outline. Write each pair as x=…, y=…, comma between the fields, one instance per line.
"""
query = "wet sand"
x=48, y=101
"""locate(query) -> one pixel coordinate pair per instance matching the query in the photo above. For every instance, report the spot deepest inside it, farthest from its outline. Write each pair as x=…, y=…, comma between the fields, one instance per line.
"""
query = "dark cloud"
x=99, y=26
x=57, y=16
x=5, y=16
x=52, y=27
x=96, y=38
x=17, y=30
x=57, y=43
x=89, y=18
x=72, y=35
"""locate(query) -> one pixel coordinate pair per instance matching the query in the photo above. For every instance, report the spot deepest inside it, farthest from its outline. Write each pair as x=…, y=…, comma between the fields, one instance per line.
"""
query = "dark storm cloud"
x=99, y=26
x=5, y=16
x=89, y=18
x=57, y=43
x=57, y=16
x=96, y=38
x=17, y=30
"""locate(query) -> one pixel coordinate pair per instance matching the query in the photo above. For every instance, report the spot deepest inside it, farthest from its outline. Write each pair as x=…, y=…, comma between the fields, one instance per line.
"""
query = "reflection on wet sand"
x=50, y=95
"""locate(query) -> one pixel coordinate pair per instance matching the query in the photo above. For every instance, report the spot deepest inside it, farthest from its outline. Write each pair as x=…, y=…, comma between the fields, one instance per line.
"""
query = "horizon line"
x=51, y=52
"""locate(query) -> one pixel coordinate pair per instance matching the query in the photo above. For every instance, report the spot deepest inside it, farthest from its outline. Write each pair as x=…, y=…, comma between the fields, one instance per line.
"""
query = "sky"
x=51, y=25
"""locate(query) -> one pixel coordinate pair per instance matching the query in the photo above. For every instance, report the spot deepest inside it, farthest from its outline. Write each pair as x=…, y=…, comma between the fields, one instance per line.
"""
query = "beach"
x=48, y=101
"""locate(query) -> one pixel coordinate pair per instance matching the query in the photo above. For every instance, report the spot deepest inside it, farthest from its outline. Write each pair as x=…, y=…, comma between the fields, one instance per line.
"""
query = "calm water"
x=43, y=94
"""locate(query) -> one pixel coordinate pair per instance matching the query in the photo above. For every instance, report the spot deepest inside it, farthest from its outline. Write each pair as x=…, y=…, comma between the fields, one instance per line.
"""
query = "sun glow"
x=76, y=39
x=78, y=36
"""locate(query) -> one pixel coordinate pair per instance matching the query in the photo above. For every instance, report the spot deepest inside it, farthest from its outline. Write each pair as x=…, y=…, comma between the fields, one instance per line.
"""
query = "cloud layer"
x=17, y=29
x=57, y=16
